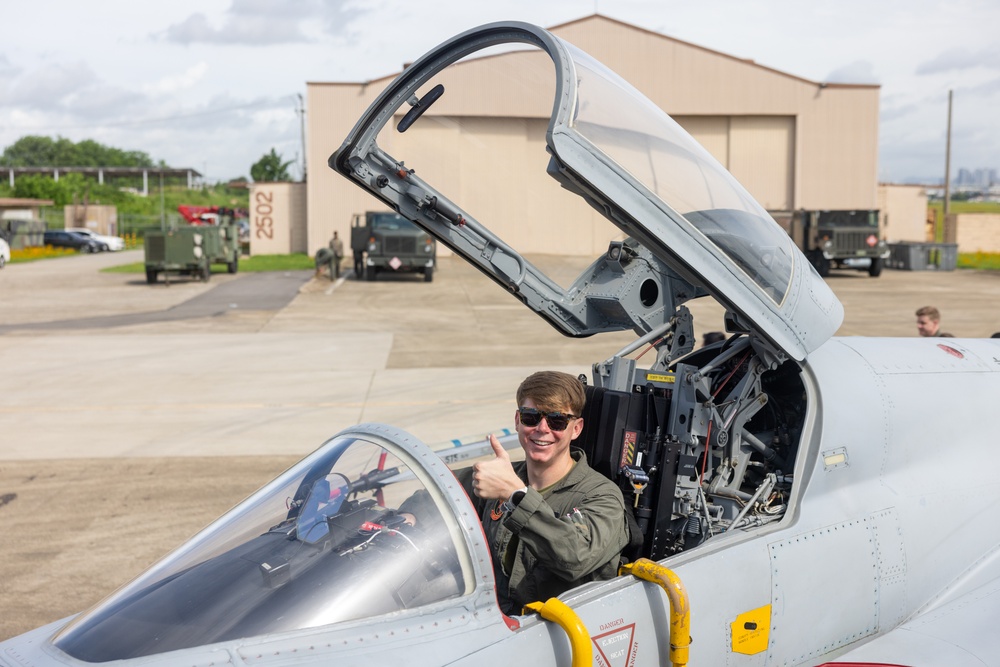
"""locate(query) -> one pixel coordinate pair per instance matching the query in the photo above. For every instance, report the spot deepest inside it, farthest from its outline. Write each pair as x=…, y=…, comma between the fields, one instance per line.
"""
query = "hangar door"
x=758, y=150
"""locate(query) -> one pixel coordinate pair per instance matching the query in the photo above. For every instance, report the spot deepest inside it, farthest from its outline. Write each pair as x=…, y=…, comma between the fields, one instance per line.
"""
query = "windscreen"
x=848, y=219
x=644, y=141
x=349, y=533
x=390, y=221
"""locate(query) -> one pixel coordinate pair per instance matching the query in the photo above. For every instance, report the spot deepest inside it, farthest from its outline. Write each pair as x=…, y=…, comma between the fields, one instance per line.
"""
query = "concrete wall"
x=99, y=218
x=904, y=213
x=20, y=208
x=277, y=218
x=973, y=232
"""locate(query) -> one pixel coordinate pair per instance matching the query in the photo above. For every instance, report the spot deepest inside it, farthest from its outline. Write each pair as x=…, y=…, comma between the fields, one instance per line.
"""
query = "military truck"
x=191, y=250
x=840, y=239
x=387, y=242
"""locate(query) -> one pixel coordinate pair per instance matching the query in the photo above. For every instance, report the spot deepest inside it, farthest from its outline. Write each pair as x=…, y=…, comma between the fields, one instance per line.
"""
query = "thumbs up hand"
x=498, y=449
x=495, y=479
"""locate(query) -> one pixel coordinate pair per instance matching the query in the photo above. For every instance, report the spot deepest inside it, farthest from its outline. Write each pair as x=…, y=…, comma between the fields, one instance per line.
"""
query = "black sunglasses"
x=557, y=421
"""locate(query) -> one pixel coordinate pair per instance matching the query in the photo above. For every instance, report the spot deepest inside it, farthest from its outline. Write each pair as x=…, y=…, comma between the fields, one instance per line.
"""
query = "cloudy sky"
x=215, y=84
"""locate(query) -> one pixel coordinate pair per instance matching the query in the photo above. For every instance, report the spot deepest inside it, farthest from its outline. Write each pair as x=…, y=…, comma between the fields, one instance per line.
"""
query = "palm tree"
x=269, y=169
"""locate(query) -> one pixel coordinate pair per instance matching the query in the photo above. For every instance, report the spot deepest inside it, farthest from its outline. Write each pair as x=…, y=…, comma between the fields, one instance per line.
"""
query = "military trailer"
x=224, y=247
x=387, y=242
x=841, y=239
x=190, y=250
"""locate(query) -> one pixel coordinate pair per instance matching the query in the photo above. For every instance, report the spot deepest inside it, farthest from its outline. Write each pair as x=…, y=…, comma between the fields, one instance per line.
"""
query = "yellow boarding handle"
x=680, y=610
x=579, y=639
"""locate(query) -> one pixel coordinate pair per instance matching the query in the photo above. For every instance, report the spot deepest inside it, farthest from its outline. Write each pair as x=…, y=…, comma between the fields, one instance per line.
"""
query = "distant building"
x=11, y=173
x=792, y=142
x=976, y=179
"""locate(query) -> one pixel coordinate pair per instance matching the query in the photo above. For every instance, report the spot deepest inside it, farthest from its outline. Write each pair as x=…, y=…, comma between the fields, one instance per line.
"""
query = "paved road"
x=270, y=291
x=133, y=414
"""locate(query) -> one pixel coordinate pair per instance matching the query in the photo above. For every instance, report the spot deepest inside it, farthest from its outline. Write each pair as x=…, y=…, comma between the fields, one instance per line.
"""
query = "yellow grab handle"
x=579, y=638
x=680, y=610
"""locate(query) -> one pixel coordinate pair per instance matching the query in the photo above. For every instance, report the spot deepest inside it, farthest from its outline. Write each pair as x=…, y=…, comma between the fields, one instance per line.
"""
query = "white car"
x=4, y=253
x=112, y=242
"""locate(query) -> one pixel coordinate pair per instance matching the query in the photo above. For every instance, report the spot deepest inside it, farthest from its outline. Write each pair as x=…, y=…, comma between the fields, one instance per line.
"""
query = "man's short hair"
x=929, y=312
x=553, y=390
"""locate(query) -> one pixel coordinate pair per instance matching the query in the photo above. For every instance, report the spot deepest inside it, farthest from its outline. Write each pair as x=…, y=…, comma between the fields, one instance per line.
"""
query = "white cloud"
x=266, y=22
x=213, y=81
x=178, y=82
x=51, y=84
x=961, y=58
x=246, y=30
x=859, y=71
x=191, y=30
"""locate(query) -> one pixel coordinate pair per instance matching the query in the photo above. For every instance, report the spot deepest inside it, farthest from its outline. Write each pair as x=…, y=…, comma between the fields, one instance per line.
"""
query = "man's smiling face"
x=540, y=443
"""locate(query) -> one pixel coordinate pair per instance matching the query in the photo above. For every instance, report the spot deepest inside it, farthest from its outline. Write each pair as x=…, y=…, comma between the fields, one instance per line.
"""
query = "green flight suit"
x=570, y=533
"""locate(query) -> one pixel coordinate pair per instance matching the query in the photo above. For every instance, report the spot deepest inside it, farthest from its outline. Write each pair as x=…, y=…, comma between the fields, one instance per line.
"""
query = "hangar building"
x=793, y=143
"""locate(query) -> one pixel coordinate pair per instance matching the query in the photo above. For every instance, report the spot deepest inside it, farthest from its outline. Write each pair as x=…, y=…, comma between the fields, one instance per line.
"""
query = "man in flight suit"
x=552, y=522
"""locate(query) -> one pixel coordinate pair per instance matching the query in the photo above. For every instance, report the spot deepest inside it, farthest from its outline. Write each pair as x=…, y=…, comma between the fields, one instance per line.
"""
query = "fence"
x=131, y=227
x=133, y=224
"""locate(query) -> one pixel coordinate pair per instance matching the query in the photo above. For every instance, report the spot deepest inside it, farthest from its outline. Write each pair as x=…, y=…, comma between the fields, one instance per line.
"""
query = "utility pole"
x=302, y=126
x=947, y=164
x=163, y=210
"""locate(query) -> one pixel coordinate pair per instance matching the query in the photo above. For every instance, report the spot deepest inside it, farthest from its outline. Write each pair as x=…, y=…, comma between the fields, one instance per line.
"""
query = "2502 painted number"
x=262, y=221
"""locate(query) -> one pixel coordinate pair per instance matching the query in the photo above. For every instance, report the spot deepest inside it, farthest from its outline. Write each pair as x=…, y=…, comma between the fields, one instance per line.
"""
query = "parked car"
x=60, y=238
x=4, y=252
x=114, y=243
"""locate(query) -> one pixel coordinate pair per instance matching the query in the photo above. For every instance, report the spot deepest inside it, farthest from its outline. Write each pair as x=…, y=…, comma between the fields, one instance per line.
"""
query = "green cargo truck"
x=190, y=250
x=389, y=243
x=841, y=239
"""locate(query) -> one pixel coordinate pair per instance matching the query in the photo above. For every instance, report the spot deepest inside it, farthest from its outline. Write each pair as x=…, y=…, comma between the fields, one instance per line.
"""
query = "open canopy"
x=686, y=227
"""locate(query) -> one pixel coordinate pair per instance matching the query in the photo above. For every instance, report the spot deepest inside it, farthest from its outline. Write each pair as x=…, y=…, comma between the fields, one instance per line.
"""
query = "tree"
x=37, y=151
x=61, y=192
x=269, y=169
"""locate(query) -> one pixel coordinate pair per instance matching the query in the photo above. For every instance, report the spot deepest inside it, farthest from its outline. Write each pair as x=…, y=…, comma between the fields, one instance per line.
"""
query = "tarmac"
x=133, y=414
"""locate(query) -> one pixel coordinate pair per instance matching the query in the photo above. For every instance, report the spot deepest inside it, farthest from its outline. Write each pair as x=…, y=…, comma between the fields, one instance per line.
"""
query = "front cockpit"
x=322, y=544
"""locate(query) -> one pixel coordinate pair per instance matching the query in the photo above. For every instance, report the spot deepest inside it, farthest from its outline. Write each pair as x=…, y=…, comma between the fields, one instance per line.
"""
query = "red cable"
x=704, y=459
x=735, y=368
x=379, y=495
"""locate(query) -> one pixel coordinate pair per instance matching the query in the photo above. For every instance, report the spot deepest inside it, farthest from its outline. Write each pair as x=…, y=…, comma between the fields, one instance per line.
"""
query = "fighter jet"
x=803, y=499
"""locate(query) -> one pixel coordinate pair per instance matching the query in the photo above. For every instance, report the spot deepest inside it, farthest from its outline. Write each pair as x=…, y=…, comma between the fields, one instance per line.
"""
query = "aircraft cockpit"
x=703, y=442
x=323, y=543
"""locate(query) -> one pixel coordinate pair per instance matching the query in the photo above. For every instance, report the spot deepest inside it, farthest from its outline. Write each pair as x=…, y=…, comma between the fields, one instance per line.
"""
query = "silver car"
x=114, y=243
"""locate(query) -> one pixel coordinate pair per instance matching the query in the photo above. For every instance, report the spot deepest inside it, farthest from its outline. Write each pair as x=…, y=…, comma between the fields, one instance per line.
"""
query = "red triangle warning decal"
x=615, y=647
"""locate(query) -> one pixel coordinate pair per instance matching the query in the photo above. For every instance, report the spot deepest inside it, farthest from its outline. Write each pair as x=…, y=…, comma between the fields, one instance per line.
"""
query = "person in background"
x=929, y=323
x=337, y=247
